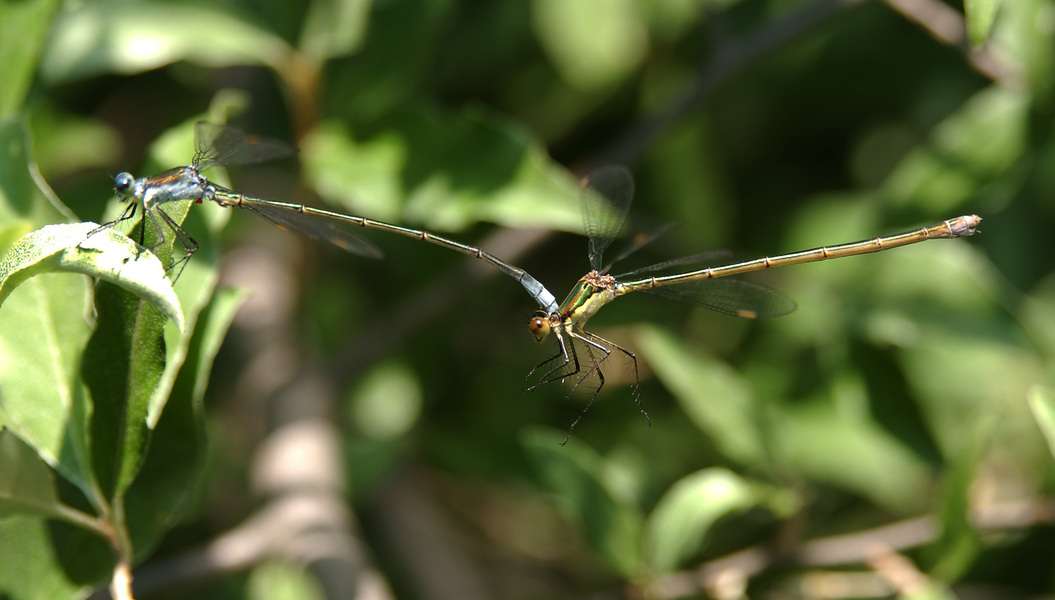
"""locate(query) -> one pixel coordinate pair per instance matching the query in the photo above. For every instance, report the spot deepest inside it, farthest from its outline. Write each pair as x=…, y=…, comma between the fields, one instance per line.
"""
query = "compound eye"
x=539, y=324
x=123, y=184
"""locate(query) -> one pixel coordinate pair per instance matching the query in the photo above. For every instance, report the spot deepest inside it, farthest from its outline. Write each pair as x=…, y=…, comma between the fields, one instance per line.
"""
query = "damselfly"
x=224, y=146
x=607, y=194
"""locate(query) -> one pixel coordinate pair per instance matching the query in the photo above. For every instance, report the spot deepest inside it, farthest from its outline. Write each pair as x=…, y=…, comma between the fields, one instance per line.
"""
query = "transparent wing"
x=311, y=222
x=218, y=145
x=640, y=241
x=734, y=297
x=607, y=194
x=711, y=256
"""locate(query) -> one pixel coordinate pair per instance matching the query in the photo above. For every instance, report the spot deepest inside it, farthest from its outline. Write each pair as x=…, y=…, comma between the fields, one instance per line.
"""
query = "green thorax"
x=587, y=297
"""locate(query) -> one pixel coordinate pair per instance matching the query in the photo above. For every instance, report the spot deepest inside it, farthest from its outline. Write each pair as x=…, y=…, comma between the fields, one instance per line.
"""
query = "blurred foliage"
x=911, y=384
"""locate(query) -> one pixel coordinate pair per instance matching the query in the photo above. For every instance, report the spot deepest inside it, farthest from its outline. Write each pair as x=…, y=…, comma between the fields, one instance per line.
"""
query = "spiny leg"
x=129, y=212
x=595, y=363
x=189, y=245
x=589, y=347
x=559, y=355
x=601, y=342
x=566, y=351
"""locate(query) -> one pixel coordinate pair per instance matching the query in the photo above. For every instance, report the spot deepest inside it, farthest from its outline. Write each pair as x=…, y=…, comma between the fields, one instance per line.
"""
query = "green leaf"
x=133, y=365
x=66, y=144
x=1042, y=404
x=717, y=399
x=678, y=525
x=26, y=482
x=117, y=36
x=31, y=569
x=828, y=445
x=464, y=169
x=197, y=282
x=946, y=171
x=980, y=15
x=575, y=474
x=592, y=43
x=334, y=28
x=274, y=580
x=122, y=366
x=958, y=546
x=134, y=362
x=172, y=469
x=957, y=378
x=28, y=485
x=25, y=199
x=23, y=31
x=43, y=398
x=105, y=255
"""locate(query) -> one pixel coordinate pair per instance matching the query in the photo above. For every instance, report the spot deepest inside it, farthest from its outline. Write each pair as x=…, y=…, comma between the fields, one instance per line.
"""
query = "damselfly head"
x=539, y=324
x=124, y=184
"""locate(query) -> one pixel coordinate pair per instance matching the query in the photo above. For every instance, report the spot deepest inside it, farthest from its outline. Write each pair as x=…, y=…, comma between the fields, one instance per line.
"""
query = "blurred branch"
x=121, y=585
x=301, y=76
x=900, y=572
x=860, y=547
x=424, y=542
x=947, y=25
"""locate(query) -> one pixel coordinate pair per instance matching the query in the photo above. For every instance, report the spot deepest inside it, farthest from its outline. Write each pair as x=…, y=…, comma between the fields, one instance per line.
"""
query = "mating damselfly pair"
x=607, y=195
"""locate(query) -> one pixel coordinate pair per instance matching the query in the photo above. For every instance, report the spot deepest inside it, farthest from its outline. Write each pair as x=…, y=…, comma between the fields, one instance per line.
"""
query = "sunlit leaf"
x=115, y=36
x=1042, y=403
x=947, y=170
x=980, y=16
x=105, y=255
x=592, y=43
x=280, y=581
x=678, y=525
x=43, y=399
x=465, y=169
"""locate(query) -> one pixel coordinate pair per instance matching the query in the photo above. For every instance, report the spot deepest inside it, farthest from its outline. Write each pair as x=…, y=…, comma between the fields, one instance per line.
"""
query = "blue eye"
x=123, y=184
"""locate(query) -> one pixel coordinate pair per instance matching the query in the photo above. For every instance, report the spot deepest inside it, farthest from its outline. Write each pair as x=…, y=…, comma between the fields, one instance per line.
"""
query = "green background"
x=908, y=389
